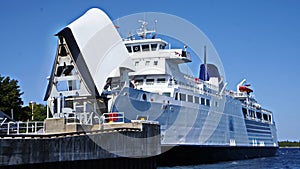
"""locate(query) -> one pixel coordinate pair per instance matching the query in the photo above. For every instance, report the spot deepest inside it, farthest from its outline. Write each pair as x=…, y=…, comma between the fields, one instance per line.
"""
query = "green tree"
x=39, y=112
x=10, y=97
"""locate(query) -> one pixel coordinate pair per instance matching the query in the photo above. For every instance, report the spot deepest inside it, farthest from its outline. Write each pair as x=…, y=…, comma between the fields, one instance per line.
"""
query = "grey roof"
x=3, y=116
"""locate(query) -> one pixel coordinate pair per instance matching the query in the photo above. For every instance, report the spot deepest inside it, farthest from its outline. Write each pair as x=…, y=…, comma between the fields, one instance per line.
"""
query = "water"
x=287, y=158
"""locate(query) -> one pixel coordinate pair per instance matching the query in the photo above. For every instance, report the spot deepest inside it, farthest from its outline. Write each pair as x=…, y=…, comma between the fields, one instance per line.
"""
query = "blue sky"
x=257, y=40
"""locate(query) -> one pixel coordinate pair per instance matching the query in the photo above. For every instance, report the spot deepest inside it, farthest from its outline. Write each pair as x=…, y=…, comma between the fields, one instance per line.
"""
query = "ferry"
x=97, y=71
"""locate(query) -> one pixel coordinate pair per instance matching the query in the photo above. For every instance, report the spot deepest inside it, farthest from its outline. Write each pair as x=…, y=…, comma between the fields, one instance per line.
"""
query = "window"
x=167, y=94
x=147, y=63
x=155, y=63
x=145, y=47
x=265, y=117
x=129, y=49
x=252, y=113
x=161, y=46
x=196, y=99
x=176, y=96
x=144, y=96
x=161, y=80
x=149, y=81
x=244, y=112
x=68, y=85
x=202, y=101
x=207, y=102
x=182, y=97
x=258, y=115
x=190, y=98
x=153, y=47
x=269, y=118
x=136, y=63
x=139, y=82
x=136, y=48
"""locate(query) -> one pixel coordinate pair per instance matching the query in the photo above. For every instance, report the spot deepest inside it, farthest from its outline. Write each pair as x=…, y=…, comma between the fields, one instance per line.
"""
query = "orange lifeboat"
x=245, y=89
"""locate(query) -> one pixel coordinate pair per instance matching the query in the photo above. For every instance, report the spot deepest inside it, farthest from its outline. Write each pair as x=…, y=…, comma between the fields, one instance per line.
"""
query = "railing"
x=22, y=128
x=80, y=118
x=76, y=117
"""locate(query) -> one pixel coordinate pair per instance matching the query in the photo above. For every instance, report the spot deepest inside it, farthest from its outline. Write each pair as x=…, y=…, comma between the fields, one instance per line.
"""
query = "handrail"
x=23, y=127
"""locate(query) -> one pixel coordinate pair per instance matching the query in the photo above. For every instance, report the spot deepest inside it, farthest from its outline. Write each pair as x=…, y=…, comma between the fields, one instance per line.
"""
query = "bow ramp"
x=89, y=51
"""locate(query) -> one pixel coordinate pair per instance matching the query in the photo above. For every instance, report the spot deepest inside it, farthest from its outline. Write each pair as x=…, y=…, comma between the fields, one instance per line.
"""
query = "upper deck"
x=148, y=46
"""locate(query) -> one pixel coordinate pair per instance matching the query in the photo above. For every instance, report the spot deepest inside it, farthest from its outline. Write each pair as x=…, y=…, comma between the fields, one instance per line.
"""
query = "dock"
x=63, y=145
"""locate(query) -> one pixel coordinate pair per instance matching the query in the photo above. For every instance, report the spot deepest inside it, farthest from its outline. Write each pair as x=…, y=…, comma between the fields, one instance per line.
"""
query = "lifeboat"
x=245, y=89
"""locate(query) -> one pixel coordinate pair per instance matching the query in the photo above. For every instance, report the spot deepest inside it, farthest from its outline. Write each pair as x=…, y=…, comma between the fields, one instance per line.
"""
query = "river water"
x=286, y=158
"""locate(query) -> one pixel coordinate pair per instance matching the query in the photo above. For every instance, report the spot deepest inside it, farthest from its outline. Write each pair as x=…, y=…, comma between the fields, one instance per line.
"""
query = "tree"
x=39, y=112
x=10, y=97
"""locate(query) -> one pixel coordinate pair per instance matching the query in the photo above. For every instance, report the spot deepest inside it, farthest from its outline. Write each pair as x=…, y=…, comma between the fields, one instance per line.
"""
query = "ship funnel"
x=203, y=75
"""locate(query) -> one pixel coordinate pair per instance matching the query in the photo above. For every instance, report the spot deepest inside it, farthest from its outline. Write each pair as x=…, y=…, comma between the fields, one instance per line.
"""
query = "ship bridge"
x=148, y=46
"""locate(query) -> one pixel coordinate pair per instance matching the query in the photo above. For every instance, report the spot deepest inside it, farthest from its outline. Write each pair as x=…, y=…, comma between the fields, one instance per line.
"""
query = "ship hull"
x=195, y=154
x=195, y=135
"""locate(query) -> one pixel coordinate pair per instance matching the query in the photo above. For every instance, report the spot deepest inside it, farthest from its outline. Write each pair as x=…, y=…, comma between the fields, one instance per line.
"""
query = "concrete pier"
x=128, y=145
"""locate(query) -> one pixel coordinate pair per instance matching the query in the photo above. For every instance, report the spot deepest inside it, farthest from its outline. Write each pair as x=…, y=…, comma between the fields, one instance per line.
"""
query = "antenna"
x=205, y=56
x=154, y=36
x=142, y=31
x=205, y=66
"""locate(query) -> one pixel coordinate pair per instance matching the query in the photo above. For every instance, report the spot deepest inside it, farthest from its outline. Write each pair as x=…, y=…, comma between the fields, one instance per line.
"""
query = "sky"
x=257, y=40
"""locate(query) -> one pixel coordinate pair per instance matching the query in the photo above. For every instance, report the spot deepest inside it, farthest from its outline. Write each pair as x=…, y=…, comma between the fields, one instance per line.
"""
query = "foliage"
x=289, y=144
x=10, y=97
x=39, y=112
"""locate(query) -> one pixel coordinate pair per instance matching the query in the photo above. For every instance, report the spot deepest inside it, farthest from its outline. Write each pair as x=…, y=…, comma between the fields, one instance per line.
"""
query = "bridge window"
x=129, y=49
x=136, y=48
x=139, y=81
x=145, y=47
x=161, y=46
x=149, y=81
x=153, y=47
x=161, y=80
x=136, y=63
x=155, y=63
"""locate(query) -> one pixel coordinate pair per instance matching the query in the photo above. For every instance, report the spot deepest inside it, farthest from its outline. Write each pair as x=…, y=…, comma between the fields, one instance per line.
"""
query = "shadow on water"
x=288, y=158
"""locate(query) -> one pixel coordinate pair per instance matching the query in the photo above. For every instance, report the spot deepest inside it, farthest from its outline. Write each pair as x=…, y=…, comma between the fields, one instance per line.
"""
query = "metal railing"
x=22, y=128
